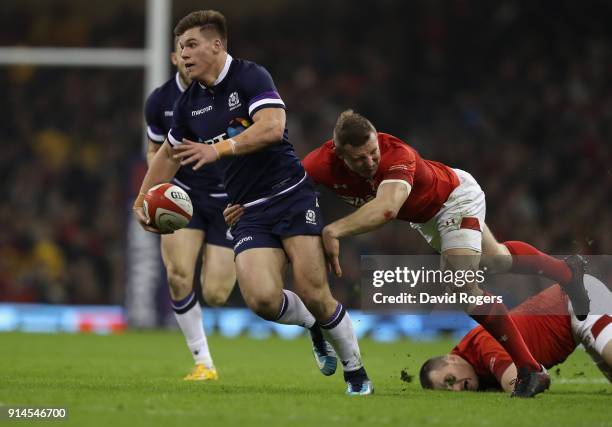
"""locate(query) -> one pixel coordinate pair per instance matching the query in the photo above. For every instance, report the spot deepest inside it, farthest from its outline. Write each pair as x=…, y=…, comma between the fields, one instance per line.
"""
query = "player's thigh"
x=308, y=264
x=260, y=277
x=218, y=274
x=307, y=259
x=180, y=253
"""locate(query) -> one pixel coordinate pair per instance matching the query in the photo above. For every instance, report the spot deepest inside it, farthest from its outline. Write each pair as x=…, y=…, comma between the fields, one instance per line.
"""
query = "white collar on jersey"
x=179, y=82
x=224, y=71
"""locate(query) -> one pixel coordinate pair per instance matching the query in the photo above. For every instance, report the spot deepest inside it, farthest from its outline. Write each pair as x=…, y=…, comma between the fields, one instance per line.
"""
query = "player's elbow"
x=275, y=129
x=389, y=213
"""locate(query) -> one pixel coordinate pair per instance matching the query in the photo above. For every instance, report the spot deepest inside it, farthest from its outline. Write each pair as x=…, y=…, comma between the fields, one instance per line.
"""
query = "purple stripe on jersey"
x=270, y=94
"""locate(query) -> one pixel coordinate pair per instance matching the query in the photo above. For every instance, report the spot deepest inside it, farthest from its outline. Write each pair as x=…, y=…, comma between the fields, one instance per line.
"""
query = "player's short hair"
x=207, y=20
x=352, y=129
x=431, y=365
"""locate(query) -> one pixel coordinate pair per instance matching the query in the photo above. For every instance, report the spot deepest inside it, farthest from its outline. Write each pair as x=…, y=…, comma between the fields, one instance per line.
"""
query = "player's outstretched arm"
x=389, y=199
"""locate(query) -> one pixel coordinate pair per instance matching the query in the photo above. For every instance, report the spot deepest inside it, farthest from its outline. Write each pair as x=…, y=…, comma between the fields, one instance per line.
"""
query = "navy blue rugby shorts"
x=208, y=216
x=265, y=225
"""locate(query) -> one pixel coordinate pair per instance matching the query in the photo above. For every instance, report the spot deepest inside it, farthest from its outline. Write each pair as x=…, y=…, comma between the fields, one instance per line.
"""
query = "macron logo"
x=201, y=111
x=243, y=240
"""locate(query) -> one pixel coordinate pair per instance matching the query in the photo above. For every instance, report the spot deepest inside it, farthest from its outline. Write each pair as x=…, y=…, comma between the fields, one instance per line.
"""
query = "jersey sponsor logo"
x=311, y=217
x=168, y=113
x=201, y=111
x=243, y=240
x=233, y=101
x=214, y=140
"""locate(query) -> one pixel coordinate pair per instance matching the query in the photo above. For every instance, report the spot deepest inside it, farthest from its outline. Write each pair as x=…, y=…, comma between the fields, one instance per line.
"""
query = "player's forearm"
x=369, y=217
x=162, y=167
x=259, y=135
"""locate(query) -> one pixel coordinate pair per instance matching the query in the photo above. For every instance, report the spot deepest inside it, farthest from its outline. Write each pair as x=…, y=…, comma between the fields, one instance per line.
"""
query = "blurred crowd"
x=518, y=93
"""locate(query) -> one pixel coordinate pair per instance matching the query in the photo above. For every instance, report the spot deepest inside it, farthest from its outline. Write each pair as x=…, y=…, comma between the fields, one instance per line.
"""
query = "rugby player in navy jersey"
x=180, y=249
x=232, y=116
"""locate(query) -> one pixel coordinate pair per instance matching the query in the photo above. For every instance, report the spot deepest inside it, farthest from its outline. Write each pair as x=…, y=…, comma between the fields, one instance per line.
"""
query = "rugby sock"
x=188, y=314
x=528, y=260
x=338, y=331
x=495, y=319
x=294, y=312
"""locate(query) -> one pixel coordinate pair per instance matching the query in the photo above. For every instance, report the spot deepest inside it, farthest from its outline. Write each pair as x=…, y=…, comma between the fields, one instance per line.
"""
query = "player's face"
x=198, y=53
x=362, y=160
x=457, y=375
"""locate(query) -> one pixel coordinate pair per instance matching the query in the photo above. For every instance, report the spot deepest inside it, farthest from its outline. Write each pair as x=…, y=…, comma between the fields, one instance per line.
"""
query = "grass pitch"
x=135, y=379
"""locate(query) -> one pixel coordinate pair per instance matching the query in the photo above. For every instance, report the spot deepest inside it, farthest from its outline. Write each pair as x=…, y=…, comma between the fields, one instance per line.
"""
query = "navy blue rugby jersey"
x=158, y=115
x=212, y=114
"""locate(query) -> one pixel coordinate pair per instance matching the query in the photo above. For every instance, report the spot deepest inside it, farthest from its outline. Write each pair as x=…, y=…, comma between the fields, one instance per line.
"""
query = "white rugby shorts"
x=460, y=221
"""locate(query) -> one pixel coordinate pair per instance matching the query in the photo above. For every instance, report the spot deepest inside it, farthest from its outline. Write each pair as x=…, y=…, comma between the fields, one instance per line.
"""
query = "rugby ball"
x=168, y=207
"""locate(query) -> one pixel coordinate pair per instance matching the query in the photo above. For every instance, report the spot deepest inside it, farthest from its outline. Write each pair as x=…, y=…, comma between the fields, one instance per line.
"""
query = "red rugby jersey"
x=548, y=337
x=431, y=182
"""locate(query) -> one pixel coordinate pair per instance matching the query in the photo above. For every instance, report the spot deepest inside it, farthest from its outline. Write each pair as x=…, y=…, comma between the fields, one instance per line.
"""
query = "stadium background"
x=522, y=101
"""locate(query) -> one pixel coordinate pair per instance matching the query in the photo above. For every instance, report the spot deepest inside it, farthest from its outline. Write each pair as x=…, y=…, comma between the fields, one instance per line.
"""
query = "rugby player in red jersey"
x=550, y=330
x=387, y=179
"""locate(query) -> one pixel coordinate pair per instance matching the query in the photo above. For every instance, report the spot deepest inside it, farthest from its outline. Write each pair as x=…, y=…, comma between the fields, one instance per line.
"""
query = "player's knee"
x=215, y=297
x=178, y=280
x=266, y=308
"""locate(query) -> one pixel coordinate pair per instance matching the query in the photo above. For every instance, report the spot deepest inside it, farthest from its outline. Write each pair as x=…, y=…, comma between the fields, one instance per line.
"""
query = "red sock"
x=528, y=260
x=495, y=319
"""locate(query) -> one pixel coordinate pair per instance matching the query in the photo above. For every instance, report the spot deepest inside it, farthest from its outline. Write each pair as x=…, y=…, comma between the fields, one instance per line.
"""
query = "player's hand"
x=331, y=245
x=142, y=219
x=192, y=152
x=232, y=213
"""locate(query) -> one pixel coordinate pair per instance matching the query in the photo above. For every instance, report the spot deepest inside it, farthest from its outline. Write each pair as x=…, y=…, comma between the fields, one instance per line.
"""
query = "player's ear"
x=174, y=58
x=217, y=45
